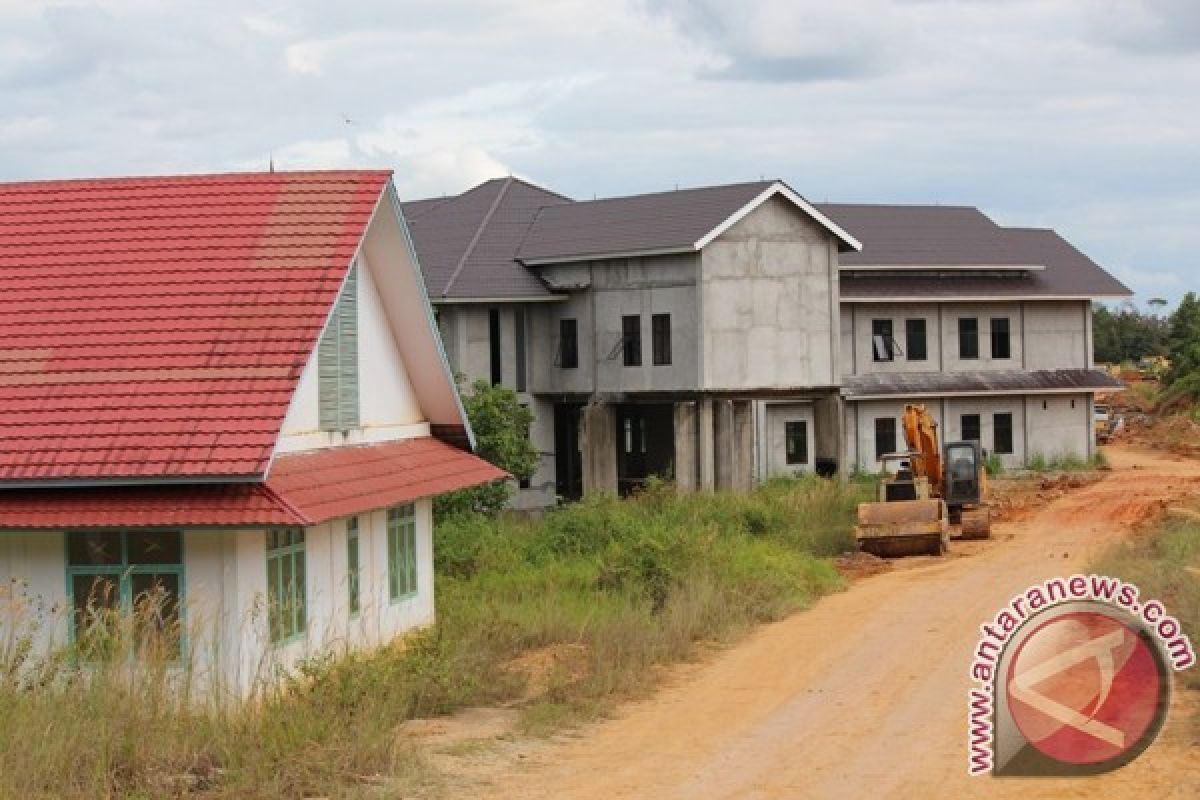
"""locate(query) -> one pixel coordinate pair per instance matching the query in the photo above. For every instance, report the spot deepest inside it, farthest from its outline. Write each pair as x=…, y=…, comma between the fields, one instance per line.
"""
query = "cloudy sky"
x=1081, y=115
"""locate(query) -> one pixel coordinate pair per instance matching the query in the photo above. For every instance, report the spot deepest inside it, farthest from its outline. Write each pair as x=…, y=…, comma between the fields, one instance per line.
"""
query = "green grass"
x=1157, y=564
x=1065, y=462
x=625, y=586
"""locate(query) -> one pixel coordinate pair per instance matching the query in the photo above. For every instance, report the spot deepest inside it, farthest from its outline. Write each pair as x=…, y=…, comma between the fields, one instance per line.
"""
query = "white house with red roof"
x=225, y=393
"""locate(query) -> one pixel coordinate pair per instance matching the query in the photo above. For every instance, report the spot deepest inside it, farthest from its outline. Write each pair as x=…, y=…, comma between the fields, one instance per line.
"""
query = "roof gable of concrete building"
x=467, y=243
x=956, y=252
x=155, y=329
x=683, y=220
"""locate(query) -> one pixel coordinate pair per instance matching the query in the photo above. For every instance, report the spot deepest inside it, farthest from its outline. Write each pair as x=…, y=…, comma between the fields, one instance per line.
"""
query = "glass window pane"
x=156, y=611
x=94, y=548
x=97, y=602
x=274, y=599
x=155, y=547
x=299, y=596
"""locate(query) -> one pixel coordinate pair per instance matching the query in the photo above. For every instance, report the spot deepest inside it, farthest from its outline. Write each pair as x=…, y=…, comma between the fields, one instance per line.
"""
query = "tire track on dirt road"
x=864, y=695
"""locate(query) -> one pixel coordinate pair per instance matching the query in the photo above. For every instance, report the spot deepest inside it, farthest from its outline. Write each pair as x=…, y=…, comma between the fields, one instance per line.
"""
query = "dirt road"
x=864, y=695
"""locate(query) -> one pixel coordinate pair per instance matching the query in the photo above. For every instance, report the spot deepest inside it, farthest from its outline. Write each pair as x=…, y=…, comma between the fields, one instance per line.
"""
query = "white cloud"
x=1039, y=111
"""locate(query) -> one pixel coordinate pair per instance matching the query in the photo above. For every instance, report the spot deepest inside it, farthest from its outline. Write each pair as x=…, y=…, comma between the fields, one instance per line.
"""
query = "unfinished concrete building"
x=720, y=335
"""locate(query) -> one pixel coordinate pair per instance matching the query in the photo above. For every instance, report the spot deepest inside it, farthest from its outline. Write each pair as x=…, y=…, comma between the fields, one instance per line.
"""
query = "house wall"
x=388, y=404
x=769, y=300
x=33, y=587
x=465, y=330
x=600, y=294
x=1042, y=335
x=225, y=591
x=1059, y=334
x=1061, y=428
x=772, y=441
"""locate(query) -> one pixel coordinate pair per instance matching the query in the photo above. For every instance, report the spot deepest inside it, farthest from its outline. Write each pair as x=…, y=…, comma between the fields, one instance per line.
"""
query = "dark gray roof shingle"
x=465, y=244
x=979, y=382
x=898, y=235
x=662, y=221
x=1067, y=273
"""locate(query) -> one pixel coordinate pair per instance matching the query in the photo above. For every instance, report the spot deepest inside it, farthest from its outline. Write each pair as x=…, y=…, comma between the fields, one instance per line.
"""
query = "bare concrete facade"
x=752, y=319
x=1042, y=335
x=773, y=315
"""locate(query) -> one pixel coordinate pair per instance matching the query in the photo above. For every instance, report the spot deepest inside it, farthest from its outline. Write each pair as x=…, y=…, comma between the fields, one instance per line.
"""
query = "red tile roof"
x=303, y=489
x=155, y=328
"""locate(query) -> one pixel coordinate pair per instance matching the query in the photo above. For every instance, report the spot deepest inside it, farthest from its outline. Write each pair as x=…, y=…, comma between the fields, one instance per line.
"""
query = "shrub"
x=501, y=426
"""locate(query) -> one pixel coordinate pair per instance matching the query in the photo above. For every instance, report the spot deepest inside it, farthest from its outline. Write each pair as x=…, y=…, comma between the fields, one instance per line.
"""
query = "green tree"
x=1127, y=334
x=501, y=425
x=1183, y=349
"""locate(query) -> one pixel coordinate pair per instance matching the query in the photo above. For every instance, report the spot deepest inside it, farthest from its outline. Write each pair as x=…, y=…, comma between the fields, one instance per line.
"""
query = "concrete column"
x=685, y=447
x=829, y=437
x=742, y=445
x=723, y=443
x=599, y=444
x=706, y=452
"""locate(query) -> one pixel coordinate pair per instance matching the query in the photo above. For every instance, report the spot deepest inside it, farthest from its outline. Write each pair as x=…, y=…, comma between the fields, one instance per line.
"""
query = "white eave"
x=978, y=298
x=909, y=268
x=796, y=200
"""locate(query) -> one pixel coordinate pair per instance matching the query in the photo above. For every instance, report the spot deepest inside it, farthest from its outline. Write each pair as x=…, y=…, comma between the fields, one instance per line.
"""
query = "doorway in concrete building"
x=568, y=458
x=645, y=444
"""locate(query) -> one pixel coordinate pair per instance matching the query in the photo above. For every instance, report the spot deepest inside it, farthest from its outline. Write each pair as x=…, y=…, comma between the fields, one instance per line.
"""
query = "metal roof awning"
x=302, y=489
x=979, y=382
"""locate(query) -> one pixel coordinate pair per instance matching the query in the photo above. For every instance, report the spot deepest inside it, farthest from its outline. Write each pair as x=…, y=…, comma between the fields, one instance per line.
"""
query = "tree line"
x=1128, y=334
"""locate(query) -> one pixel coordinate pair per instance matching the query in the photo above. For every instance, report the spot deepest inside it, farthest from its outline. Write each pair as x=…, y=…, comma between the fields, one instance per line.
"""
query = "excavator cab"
x=964, y=470
x=964, y=489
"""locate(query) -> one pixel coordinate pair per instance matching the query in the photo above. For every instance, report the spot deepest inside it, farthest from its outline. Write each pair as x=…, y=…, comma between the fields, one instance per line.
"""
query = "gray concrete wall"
x=1058, y=425
x=773, y=450
x=1042, y=335
x=1058, y=334
x=464, y=331
x=768, y=300
x=601, y=293
x=1061, y=427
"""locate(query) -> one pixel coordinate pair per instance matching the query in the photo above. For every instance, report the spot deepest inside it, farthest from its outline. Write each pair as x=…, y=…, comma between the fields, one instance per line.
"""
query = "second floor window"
x=882, y=344
x=914, y=339
x=1001, y=346
x=968, y=337
x=660, y=325
x=568, y=343
x=337, y=361
x=494, y=345
x=631, y=340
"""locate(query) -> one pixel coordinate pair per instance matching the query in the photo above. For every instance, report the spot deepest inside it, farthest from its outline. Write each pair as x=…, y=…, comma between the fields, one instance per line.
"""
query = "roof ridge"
x=282, y=503
x=477, y=236
x=541, y=188
x=185, y=176
x=897, y=205
x=764, y=183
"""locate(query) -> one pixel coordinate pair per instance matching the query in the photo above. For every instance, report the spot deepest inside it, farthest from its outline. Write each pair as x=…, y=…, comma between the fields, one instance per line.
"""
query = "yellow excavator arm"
x=920, y=434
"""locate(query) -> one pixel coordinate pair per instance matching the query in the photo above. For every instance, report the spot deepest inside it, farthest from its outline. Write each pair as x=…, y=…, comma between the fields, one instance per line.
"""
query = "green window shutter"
x=337, y=361
x=348, y=351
